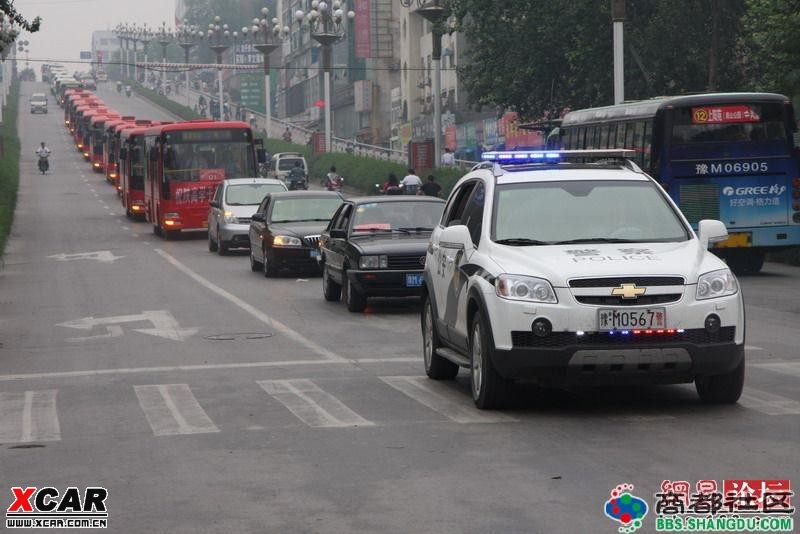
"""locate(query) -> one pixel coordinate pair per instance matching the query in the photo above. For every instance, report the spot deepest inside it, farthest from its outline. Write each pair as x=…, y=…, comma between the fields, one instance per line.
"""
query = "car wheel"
x=488, y=387
x=331, y=290
x=266, y=264
x=721, y=389
x=436, y=367
x=172, y=234
x=255, y=265
x=157, y=230
x=222, y=247
x=356, y=300
x=212, y=245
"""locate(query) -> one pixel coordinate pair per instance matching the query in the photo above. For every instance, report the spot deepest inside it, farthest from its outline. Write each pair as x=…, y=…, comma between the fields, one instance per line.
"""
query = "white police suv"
x=575, y=267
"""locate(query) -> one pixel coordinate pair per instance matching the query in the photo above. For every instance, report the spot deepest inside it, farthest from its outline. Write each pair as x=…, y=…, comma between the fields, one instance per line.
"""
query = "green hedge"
x=9, y=164
x=161, y=101
x=359, y=172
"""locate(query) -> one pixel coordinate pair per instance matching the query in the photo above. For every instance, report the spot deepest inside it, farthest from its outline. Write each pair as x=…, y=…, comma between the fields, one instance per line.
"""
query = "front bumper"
x=383, y=283
x=295, y=258
x=235, y=235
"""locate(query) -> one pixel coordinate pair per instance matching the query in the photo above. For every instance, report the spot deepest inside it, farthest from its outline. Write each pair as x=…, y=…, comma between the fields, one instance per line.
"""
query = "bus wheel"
x=156, y=229
x=172, y=234
x=754, y=261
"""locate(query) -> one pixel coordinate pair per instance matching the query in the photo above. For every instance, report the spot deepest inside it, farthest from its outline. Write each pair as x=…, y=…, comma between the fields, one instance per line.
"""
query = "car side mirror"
x=214, y=204
x=261, y=155
x=338, y=233
x=710, y=231
x=457, y=236
x=258, y=217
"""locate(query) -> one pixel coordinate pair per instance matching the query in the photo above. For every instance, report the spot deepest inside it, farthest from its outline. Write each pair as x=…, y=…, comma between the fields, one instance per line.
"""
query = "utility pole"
x=618, y=20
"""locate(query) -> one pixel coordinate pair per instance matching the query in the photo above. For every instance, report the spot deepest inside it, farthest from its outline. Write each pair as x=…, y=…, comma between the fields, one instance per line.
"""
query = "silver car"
x=234, y=203
x=38, y=103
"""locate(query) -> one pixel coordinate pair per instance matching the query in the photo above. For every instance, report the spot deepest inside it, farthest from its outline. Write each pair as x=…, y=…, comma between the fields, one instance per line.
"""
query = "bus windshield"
x=208, y=155
x=137, y=167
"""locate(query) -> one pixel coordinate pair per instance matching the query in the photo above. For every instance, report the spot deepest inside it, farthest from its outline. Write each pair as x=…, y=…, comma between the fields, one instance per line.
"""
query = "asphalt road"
x=207, y=398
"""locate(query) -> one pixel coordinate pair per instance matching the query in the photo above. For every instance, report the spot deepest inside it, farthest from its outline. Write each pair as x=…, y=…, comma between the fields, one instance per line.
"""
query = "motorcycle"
x=128, y=91
x=334, y=183
x=296, y=184
x=119, y=87
x=44, y=164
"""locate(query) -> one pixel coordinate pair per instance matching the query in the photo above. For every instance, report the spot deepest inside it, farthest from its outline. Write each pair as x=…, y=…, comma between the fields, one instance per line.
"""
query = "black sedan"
x=375, y=246
x=284, y=231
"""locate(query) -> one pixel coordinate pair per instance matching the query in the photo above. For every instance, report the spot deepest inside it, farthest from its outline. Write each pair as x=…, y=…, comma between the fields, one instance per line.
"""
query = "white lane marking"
x=199, y=367
x=768, y=403
x=145, y=242
x=135, y=235
x=752, y=347
x=29, y=416
x=789, y=368
x=311, y=404
x=447, y=402
x=103, y=256
x=126, y=227
x=255, y=312
x=172, y=409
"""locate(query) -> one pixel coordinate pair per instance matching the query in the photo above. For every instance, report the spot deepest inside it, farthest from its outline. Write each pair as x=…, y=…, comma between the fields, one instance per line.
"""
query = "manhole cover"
x=239, y=336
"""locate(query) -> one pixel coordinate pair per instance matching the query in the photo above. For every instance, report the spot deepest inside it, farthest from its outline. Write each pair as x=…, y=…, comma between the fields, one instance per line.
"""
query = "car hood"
x=392, y=243
x=560, y=263
x=298, y=229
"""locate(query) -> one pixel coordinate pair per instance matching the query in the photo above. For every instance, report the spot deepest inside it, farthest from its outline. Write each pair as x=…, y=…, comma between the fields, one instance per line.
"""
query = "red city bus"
x=85, y=130
x=132, y=170
x=80, y=122
x=97, y=135
x=70, y=95
x=185, y=163
x=110, y=141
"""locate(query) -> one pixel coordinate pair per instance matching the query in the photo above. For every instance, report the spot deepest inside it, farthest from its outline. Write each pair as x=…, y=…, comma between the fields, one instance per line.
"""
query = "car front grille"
x=619, y=280
x=311, y=241
x=694, y=336
x=644, y=300
x=243, y=220
x=408, y=262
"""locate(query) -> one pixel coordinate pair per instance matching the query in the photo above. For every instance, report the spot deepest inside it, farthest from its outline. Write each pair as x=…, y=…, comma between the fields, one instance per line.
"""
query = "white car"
x=577, y=273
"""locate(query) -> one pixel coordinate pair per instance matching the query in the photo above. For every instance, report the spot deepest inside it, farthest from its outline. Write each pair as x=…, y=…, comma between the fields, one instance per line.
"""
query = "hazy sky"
x=67, y=25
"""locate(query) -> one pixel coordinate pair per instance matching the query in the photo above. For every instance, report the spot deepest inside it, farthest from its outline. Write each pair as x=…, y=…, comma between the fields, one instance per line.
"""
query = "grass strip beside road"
x=9, y=164
x=163, y=102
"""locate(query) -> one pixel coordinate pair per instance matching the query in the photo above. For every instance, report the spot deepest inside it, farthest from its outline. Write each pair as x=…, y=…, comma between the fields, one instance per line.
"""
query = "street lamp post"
x=164, y=38
x=267, y=40
x=436, y=12
x=618, y=20
x=220, y=39
x=327, y=23
x=186, y=40
x=119, y=31
x=134, y=39
x=145, y=36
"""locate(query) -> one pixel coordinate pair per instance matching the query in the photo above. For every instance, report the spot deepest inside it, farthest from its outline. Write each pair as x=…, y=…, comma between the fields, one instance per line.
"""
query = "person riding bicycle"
x=44, y=153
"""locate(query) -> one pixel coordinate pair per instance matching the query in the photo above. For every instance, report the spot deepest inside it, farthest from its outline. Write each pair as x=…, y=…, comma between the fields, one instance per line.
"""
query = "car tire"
x=212, y=245
x=331, y=289
x=721, y=389
x=255, y=265
x=171, y=235
x=356, y=300
x=488, y=388
x=267, y=265
x=222, y=247
x=157, y=230
x=436, y=367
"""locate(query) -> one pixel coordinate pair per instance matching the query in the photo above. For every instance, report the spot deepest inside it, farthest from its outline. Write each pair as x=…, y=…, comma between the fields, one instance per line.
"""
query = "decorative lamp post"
x=187, y=36
x=327, y=23
x=133, y=32
x=145, y=36
x=121, y=34
x=164, y=38
x=436, y=12
x=220, y=38
x=267, y=36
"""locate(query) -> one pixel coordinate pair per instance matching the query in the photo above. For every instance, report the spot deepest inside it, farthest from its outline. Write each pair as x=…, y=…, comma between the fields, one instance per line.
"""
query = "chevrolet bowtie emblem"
x=628, y=291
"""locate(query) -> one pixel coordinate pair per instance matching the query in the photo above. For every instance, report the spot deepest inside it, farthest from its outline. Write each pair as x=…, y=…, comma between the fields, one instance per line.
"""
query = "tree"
x=7, y=8
x=772, y=34
x=536, y=57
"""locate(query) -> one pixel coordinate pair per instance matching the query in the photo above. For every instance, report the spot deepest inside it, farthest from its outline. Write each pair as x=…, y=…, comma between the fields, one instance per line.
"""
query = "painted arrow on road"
x=103, y=256
x=164, y=325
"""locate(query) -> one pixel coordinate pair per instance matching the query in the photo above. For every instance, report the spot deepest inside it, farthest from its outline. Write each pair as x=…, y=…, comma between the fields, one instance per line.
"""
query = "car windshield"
x=584, y=211
x=287, y=164
x=304, y=209
x=404, y=216
x=249, y=194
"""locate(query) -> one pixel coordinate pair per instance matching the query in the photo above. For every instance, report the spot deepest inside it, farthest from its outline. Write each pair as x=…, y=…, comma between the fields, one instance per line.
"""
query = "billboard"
x=363, y=29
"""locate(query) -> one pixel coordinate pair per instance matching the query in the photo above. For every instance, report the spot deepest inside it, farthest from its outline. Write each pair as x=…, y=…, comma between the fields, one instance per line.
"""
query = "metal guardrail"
x=302, y=136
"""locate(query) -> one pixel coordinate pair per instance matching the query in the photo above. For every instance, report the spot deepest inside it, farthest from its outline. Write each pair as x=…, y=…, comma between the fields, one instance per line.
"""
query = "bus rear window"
x=729, y=123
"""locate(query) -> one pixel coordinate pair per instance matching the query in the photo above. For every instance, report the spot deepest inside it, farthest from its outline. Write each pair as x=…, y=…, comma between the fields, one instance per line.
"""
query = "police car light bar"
x=519, y=157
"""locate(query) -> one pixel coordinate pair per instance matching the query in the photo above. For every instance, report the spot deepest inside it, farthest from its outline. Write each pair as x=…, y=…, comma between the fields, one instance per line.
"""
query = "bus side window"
x=590, y=136
x=629, y=136
x=612, y=135
x=603, y=142
x=621, y=135
x=647, y=144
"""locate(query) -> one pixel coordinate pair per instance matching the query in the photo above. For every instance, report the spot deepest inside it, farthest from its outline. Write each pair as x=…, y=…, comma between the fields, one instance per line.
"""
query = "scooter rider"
x=128, y=91
x=297, y=177
x=119, y=86
x=333, y=181
x=44, y=153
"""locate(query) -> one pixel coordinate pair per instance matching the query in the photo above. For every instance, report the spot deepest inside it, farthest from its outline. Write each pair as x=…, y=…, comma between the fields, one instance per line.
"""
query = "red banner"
x=450, y=138
x=363, y=29
x=724, y=115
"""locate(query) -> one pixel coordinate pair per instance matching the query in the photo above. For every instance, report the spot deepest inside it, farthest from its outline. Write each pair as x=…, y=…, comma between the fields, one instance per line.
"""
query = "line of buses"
x=165, y=172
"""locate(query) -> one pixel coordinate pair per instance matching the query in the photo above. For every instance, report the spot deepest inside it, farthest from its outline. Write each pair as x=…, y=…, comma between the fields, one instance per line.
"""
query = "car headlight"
x=373, y=262
x=716, y=284
x=229, y=217
x=527, y=288
x=286, y=241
